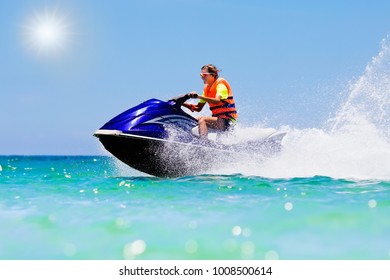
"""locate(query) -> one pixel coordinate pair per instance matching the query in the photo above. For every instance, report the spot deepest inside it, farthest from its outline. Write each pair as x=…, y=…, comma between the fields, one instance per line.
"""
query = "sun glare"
x=47, y=33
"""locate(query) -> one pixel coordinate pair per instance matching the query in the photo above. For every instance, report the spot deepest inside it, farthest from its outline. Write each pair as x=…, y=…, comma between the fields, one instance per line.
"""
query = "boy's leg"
x=212, y=122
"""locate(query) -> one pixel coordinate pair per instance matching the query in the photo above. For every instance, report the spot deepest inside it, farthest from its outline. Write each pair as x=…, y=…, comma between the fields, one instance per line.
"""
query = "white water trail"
x=354, y=143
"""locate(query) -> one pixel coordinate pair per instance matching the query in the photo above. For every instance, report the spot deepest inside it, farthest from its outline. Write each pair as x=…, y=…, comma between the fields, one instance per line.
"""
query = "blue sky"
x=288, y=62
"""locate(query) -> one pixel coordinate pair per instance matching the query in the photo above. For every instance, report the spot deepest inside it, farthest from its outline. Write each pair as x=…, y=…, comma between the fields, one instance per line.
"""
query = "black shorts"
x=228, y=124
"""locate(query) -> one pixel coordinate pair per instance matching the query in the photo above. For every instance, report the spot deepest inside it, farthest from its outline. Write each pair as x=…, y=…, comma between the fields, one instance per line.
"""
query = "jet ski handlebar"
x=179, y=100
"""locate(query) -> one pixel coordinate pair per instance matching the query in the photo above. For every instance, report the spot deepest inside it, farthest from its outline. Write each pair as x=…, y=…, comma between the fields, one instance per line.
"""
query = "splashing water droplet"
x=191, y=246
x=271, y=255
x=131, y=250
x=236, y=231
x=288, y=206
x=372, y=203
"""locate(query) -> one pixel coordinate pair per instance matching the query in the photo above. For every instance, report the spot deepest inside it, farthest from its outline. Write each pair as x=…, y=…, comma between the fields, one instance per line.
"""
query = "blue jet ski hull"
x=156, y=156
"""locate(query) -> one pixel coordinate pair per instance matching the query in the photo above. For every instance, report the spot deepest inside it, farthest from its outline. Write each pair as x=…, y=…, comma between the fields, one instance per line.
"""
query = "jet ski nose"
x=99, y=132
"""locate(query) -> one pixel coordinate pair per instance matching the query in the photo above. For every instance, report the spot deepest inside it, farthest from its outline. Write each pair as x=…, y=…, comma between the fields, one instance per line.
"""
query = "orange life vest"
x=225, y=109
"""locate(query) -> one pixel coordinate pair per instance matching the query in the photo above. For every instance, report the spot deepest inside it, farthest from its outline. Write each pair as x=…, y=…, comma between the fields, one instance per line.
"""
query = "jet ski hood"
x=152, y=118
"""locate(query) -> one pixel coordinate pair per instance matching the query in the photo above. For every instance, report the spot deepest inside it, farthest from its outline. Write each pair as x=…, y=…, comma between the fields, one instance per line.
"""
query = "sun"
x=47, y=33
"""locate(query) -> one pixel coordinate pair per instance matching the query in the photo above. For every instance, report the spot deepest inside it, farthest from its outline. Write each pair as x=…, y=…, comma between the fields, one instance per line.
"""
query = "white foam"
x=354, y=143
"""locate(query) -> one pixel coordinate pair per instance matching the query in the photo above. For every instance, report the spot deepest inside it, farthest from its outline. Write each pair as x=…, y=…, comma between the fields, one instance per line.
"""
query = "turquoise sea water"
x=58, y=207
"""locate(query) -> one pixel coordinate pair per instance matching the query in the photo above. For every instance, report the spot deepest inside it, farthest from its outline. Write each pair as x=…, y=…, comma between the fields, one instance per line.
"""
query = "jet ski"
x=159, y=138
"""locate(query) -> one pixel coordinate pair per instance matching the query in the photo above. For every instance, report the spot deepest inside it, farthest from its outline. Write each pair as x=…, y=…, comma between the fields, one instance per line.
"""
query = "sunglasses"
x=203, y=75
